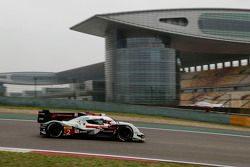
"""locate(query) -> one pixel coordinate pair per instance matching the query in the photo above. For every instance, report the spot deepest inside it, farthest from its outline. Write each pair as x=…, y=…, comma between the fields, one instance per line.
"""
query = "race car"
x=57, y=125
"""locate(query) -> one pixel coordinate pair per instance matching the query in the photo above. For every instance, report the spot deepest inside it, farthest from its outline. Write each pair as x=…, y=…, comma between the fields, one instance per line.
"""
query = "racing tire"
x=125, y=133
x=54, y=130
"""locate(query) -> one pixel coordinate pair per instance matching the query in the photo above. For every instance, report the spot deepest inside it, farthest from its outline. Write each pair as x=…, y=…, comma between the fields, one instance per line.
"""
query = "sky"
x=35, y=34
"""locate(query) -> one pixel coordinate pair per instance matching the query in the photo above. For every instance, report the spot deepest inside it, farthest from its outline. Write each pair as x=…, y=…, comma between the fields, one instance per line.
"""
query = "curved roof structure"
x=216, y=34
x=233, y=25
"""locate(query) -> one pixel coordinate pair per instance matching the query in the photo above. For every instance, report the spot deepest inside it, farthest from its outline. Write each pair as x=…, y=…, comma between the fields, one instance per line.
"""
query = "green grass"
x=19, y=107
x=13, y=159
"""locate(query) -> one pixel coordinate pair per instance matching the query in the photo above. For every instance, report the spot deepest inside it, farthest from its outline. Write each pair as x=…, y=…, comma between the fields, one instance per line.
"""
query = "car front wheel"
x=125, y=133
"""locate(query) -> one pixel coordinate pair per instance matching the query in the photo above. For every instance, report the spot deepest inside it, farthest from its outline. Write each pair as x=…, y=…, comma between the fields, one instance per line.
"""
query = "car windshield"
x=96, y=121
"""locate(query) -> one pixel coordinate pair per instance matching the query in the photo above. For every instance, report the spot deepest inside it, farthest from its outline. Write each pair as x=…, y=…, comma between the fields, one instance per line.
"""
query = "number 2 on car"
x=68, y=131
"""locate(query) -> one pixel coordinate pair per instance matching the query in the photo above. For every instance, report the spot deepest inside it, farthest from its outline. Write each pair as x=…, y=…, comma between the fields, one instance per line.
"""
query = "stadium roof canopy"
x=29, y=78
x=90, y=72
x=202, y=35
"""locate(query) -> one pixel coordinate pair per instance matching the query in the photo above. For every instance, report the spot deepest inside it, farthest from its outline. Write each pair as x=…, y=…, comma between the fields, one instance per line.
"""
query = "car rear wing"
x=46, y=115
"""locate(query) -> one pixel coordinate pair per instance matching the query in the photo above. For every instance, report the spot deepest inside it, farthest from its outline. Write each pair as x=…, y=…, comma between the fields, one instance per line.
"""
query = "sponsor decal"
x=77, y=131
x=68, y=127
x=68, y=130
x=61, y=115
x=93, y=127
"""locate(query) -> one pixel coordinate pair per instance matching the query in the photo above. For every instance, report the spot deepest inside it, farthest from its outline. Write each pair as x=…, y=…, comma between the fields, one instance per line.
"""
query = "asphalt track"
x=160, y=144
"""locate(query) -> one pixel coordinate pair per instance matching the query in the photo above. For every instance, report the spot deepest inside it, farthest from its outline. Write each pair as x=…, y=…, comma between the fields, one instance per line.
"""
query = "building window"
x=233, y=25
x=219, y=65
x=236, y=63
x=227, y=64
x=243, y=62
x=192, y=69
x=205, y=67
x=181, y=21
x=198, y=68
x=212, y=66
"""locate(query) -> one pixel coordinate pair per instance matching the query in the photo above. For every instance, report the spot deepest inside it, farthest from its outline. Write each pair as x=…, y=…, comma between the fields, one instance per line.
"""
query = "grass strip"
x=13, y=159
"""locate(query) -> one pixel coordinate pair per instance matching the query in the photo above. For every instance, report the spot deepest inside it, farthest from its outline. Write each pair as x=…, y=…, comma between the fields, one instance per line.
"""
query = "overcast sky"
x=35, y=34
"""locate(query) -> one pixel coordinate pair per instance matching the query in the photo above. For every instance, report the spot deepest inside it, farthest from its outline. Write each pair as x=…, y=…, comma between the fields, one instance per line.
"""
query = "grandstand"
x=229, y=86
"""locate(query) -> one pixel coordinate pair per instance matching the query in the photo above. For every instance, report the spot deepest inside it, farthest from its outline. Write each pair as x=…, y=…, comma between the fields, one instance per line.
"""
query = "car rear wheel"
x=54, y=130
x=125, y=133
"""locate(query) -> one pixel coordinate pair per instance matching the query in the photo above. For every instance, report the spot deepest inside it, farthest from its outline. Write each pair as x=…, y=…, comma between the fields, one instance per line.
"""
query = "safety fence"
x=196, y=115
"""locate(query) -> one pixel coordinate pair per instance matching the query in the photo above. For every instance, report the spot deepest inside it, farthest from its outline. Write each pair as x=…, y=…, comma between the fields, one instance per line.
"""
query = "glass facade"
x=235, y=25
x=140, y=70
x=2, y=89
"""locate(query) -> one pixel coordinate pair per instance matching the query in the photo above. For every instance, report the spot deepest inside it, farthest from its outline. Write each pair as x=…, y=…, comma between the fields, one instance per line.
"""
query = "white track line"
x=11, y=149
x=172, y=130
x=189, y=131
x=18, y=120
x=107, y=156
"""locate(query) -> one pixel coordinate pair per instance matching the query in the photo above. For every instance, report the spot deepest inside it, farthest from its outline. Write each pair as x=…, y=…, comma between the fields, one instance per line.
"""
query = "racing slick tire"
x=125, y=133
x=54, y=130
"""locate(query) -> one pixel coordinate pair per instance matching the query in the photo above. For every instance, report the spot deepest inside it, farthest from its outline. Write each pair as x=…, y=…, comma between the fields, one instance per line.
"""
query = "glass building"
x=140, y=70
x=146, y=49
